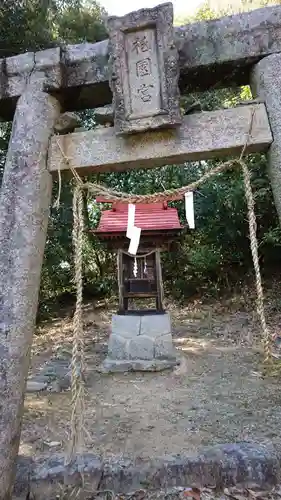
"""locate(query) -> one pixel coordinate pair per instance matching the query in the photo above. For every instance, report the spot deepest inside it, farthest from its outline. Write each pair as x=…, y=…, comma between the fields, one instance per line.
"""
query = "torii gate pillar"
x=266, y=84
x=24, y=209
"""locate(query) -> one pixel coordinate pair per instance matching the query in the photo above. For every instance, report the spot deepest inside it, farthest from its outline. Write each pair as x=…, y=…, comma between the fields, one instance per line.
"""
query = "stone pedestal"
x=140, y=343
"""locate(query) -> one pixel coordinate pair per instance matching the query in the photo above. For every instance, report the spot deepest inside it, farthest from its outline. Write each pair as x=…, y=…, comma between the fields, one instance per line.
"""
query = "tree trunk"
x=24, y=208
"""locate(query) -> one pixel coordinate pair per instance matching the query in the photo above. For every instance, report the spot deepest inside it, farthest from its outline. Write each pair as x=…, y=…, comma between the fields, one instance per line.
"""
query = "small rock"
x=67, y=122
x=53, y=444
x=105, y=115
x=62, y=384
x=55, y=387
x=65, y=382
x=34, y=386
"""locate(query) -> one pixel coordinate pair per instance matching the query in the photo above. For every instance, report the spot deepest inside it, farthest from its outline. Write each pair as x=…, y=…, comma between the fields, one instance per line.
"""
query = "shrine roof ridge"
x=217, y=52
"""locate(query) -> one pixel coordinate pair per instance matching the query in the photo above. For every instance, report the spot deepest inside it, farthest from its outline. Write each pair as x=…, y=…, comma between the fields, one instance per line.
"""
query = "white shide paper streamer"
x=133, y=232
x=189, y=209
x=135, y=240
x=131, y=219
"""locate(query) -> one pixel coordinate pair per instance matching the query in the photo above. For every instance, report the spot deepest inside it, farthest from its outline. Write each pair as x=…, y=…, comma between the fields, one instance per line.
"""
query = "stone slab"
x=140, y=342
x=117, y=347
x=155, y=326
x=144, y=70
x=241, y=464
x=35, y=386
x=201, y=136
x=126, y=326
x=141, y=365
x=164, y=348
x=218, y=51
x=141, y=347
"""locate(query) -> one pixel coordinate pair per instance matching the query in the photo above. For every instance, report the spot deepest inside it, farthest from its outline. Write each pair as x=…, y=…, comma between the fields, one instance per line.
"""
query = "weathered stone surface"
x=141, y=365
x=134, y=344
x=21, y=64
x=241, y=464
x=43, y=66
x=266, y=83
x=18, y=70
x=55, y=375
x=226, y=47
x=144, y=70
x=48, y=58
x=201, y=136
x=67, y=122
x=156, y=325
x=24, y=207
x=117, y=347
x=51, y=475
x=105, y=115
x=141, y=347
x=35, y=386
x=127, y=326
x=163, y=348
x=48, y=65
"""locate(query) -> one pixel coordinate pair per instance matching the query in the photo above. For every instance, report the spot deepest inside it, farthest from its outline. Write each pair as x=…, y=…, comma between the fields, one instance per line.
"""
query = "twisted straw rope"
x=167, y=195
x=77, y=365
x=255, y=257
x=77, y=436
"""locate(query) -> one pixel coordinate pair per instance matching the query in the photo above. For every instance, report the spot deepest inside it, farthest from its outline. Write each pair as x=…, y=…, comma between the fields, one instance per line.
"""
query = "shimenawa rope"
x=77, y=436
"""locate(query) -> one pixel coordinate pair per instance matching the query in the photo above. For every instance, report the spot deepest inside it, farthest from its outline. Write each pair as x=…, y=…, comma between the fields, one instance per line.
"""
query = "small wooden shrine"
x=140, y=276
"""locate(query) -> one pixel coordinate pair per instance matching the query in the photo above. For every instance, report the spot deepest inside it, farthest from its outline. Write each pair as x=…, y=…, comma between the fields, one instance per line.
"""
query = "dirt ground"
x=216, y=395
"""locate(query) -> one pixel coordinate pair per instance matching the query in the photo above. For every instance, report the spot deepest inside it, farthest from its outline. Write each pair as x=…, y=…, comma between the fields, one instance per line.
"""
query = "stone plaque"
x=144, y=70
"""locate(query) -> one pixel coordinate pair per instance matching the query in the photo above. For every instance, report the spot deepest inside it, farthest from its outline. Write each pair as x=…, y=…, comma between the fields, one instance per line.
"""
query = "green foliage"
x=213, y=256
x=28, y=25
x=77, y=25
x=37, y=24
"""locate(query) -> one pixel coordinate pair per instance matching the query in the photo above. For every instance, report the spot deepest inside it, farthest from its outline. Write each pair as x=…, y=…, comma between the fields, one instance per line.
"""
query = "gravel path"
x=217, y=395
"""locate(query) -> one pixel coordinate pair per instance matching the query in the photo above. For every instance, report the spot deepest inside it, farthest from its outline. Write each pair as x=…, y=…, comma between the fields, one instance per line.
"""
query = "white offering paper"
x=189, y=209
x=131, y=219
x=135, y=240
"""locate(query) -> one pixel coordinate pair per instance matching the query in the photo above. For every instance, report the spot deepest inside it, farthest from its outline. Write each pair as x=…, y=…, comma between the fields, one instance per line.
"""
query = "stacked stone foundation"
x=140, y=343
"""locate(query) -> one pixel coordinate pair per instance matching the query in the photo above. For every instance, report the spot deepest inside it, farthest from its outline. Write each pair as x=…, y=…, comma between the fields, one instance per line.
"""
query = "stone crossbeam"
x=217, y=52
x=201, y=136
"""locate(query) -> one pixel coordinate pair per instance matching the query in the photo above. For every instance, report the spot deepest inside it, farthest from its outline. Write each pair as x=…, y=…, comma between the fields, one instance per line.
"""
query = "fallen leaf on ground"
x=191, y=492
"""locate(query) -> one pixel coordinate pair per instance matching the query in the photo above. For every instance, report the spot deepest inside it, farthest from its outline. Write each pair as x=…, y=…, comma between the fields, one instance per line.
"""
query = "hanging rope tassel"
x=254, y=249
x=145, y=266
x=135, y=269
x=77, y=440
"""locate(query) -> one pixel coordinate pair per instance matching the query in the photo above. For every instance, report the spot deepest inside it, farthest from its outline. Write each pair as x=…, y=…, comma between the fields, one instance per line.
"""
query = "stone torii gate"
x=36, y=87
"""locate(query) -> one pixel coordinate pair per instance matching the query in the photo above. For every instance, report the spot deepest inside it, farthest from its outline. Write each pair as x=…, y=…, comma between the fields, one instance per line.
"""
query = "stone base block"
x=140, y=343
x=156, y=365
x=244, y=465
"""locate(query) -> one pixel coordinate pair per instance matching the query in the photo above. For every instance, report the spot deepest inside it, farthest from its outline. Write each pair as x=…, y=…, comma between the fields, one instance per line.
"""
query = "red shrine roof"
x=148, y=216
